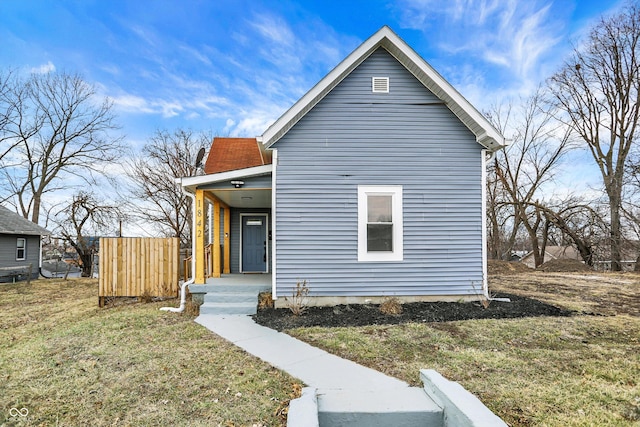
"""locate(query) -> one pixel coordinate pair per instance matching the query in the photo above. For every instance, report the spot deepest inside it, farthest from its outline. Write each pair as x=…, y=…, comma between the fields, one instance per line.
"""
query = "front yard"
x=581, y=370
x=65, y=362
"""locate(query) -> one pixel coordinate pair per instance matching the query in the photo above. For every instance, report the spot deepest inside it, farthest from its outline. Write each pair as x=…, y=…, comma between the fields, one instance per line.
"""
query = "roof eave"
x=193, y=182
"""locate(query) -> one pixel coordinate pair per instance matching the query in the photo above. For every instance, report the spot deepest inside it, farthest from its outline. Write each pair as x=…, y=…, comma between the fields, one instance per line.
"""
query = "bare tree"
x=597, y=91
x=59, y=130
x=82, y=222
x=160, y=201
x=523, y=169
x=7, y=112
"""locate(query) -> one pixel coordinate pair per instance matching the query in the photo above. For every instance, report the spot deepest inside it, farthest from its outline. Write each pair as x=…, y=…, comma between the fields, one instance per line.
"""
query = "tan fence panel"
x=136, y=266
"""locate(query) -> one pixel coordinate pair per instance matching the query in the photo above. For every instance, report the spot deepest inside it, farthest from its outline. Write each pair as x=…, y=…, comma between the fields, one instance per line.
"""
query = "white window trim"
x=395, y=191
x=23, y=248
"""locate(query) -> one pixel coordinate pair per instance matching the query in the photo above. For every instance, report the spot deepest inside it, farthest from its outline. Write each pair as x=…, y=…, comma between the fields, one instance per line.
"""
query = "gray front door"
x=254, y=244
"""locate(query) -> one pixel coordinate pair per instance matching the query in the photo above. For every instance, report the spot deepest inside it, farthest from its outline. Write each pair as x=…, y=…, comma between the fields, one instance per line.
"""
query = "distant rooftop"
x=12, y=223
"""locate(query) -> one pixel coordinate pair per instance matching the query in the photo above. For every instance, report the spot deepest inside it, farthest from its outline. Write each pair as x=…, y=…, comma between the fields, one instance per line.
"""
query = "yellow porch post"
x=227, y=233
x=199, y=232
x=216, y=238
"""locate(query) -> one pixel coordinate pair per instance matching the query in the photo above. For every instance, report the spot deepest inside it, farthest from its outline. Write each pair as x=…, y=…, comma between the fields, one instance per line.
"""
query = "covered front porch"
x=231, y=227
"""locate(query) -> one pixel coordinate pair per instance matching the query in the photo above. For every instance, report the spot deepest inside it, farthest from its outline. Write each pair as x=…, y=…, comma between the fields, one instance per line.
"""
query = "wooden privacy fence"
x=136, y=266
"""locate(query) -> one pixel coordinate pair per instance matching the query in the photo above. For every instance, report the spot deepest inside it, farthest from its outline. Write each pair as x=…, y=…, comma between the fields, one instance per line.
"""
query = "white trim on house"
x=397, y=253
x=274, y=240
x=266, y=239
x=194, y=181
x=486, y=134
x=485, y=282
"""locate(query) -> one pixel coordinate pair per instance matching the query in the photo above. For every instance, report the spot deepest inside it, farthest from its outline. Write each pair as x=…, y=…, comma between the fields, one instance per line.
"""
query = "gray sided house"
x=371, y=185
x=20, y=246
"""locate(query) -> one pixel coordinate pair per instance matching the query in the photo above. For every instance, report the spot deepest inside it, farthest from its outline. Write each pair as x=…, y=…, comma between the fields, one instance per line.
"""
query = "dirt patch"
x=565, y=266
x=370, y=314
x=506, y=267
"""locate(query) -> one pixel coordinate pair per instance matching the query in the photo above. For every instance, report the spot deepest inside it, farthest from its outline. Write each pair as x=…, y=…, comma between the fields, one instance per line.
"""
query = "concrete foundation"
x=348, y=300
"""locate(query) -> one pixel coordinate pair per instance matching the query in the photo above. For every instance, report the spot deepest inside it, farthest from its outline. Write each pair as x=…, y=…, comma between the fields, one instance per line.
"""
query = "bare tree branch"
x=160, y=201
x=597, y=92
x=58, y=129
x=83, y=221
x=521, y=171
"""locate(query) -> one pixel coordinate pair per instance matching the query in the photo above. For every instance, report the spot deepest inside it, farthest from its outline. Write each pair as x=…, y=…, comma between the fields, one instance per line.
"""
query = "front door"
x=254, y=243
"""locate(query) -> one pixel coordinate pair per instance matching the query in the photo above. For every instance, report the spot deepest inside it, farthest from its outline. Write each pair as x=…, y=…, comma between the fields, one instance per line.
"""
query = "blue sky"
x=232, y=67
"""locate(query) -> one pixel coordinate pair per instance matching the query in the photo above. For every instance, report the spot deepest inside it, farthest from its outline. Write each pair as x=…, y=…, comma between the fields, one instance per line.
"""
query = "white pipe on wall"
x=183, y=288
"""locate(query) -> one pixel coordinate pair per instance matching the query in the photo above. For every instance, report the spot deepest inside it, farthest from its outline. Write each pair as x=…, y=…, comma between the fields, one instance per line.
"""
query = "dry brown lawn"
x=69, y=363
x=582, y=370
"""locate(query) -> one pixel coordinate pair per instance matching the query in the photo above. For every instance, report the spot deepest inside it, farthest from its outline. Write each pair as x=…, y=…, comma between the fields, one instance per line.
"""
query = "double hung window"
x=21, y=249
x=380, y=223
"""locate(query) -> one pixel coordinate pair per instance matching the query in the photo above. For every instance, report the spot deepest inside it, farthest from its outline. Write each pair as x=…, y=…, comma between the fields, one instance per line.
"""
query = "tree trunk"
x=86, y=261
x=616, y=235
x=35, y=215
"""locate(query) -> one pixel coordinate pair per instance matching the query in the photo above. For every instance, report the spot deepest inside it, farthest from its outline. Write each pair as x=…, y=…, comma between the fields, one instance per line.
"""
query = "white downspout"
x=485, y=158
x=183, y=288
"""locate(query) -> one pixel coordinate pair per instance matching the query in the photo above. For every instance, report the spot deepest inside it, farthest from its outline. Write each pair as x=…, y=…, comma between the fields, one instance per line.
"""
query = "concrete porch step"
x=231, y=297
x=226, y=308
x=230, y=287
x=406, y=407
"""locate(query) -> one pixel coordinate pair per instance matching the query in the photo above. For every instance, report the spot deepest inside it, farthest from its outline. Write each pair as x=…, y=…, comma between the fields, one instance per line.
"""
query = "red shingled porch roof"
x=229, y=154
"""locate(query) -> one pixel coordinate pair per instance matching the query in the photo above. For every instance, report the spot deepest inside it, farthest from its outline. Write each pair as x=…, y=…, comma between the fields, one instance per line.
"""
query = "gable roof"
x=12, y=223
x=556, y=252
x=228, y=154
x=486, y=135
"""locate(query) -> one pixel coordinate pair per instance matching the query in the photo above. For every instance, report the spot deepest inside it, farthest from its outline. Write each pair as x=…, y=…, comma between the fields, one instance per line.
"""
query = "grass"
x=576, y=371
x=70, y=363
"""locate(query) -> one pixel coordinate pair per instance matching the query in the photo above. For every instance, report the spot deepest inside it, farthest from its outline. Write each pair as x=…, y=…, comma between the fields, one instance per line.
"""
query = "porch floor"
x=261, y=282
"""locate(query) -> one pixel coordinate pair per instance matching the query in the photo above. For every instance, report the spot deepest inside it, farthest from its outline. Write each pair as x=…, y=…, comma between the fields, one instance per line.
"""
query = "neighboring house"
x=20, y=246
x=551, y=253
x=371, y=185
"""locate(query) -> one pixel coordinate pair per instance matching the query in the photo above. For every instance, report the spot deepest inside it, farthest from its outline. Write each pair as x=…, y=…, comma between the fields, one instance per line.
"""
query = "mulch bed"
x=370, y=314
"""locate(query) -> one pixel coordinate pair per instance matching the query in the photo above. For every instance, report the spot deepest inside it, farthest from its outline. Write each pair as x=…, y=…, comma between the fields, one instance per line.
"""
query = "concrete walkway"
x=342, y=385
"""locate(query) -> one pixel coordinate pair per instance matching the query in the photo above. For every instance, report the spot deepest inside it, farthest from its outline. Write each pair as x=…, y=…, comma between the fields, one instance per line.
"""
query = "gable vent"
x=380, y=84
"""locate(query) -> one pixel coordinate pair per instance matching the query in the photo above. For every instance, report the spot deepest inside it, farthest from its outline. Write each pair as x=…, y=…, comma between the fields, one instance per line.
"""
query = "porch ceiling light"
x=237, y=184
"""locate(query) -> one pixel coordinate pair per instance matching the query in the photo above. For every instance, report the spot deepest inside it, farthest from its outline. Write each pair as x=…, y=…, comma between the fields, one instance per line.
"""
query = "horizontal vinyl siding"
x=356, y=137
x=8, y=247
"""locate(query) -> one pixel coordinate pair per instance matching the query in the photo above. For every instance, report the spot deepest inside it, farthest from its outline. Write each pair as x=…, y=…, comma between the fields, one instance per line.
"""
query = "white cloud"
x=132, y=104
x=254, y=123
x=273, y=28
x=44, y=68
x=228, y=127
x=513, y=37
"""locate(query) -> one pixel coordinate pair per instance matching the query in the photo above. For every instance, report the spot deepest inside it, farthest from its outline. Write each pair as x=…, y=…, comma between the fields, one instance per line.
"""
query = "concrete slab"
x=407, y=407
x=330, y=372
x=313, y=366
x=410, y=399
x=234, y=328
x=303, y=411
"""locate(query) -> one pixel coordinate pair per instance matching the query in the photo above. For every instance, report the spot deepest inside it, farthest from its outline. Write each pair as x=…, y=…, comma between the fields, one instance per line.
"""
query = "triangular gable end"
x=486, y=135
